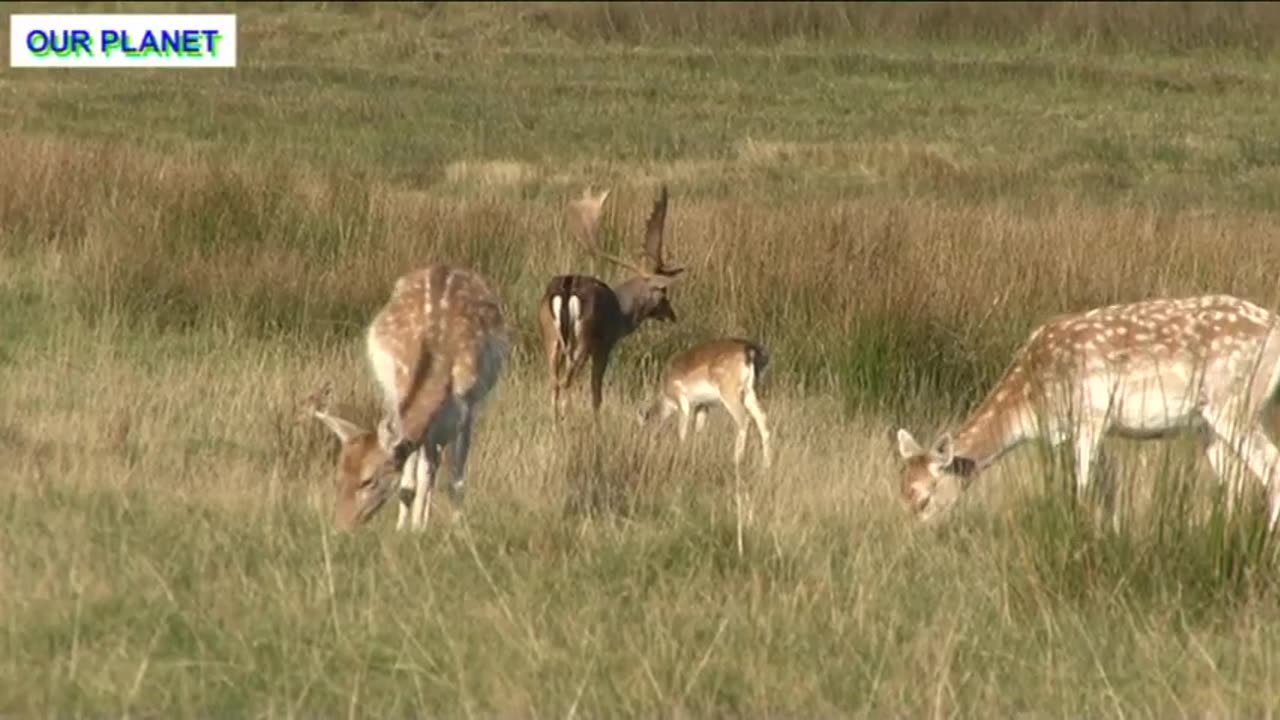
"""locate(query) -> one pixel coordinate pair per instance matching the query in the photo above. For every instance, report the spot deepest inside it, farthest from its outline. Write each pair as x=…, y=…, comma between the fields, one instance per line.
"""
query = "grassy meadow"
x=888, y=196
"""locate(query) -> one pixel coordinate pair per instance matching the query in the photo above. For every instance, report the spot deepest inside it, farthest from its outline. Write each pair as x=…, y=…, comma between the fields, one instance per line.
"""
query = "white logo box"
x=122, y=40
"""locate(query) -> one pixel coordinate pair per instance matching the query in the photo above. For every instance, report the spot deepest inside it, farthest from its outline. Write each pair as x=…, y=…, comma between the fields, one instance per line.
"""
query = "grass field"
x=890, y=197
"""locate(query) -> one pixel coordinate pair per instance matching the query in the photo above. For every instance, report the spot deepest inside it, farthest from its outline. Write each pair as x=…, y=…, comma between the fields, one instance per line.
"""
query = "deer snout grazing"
x=437, y=349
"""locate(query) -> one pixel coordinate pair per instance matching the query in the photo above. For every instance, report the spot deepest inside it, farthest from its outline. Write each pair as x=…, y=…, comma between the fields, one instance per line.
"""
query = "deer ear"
x=944, y=450
x=344, y=429
x=389, y=434
x=907, y=445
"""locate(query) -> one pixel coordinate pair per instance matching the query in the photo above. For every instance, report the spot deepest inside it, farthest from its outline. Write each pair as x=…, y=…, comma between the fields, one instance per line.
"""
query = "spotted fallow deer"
x=580, y=317
x=721, y=372
x=1144, y=370
x=436, y=349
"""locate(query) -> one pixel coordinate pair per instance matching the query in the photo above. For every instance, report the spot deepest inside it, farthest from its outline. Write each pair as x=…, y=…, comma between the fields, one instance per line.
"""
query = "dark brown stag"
x=581, y=317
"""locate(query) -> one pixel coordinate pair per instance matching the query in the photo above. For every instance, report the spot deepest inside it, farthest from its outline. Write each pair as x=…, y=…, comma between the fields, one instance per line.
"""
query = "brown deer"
x=580, y=317
x=1144, y=370
x=721, y=372
x=436, y=349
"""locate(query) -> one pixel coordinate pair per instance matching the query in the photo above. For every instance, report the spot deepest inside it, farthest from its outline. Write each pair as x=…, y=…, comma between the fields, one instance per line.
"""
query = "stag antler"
x=653, y=236
x=586, y=212
x=586, y=215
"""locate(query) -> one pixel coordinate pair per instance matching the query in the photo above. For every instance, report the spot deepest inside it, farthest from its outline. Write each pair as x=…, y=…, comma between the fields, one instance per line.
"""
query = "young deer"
x=720, y=372
x=1144, y=370
x=436, y=349
x=580, y=317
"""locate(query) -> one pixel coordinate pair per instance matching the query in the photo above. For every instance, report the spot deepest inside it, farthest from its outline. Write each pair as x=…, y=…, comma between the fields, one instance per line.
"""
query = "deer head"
x=644, y=295
x=367, y=470
x=930, y=483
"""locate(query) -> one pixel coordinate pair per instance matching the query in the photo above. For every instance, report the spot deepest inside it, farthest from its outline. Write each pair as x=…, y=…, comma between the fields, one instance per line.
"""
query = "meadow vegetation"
x=888, y=196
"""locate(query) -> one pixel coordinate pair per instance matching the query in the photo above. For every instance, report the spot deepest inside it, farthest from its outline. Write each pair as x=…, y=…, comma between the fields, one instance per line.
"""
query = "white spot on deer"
x=444, y=296
x=555, y=307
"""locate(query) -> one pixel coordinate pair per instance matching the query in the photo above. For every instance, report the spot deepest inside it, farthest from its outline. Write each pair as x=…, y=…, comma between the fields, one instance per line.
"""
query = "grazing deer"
x=436, y=350
x=580, y=317
x=1144, y=370
x=723, y=372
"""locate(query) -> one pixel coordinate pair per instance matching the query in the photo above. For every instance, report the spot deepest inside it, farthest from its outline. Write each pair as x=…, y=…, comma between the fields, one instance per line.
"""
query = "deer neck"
x=426, y=394
x=629, y=294
x=1002, y=422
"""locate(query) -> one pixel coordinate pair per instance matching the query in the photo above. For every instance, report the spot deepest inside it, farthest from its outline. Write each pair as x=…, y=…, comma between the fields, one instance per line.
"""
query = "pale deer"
x=436, y=349
x=1144, y=370
x=721, y=372
x=580, y=317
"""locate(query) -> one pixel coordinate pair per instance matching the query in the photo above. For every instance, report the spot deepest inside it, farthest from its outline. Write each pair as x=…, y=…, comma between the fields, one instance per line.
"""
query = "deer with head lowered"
x=436, y=349
x=581, y=318
x=1145, y=370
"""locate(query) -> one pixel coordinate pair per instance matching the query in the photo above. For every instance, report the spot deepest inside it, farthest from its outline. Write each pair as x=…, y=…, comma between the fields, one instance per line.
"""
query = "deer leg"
x=1109, y=486
x=408, y=484
x=564, y=363
x=555, y=361
x=428, y=463
x=458, y=452
x=739, y=415
x=1243, y=434
x=599, y=363
x=752, y=404
x=685, y=412
x=557, y=406
x=1087, y=436
x=665, y=408
x=566, y=371
x=1217, y=452
x=654, y=412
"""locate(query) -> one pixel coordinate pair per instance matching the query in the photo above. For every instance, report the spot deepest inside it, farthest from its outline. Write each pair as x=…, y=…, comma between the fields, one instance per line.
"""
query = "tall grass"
x=1118, y=26
x=876, y=300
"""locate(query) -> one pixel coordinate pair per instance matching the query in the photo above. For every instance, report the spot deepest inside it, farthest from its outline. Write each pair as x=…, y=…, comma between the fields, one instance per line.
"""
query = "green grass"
x=890, y=197
x=405, y=92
